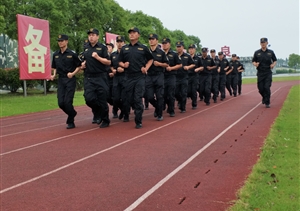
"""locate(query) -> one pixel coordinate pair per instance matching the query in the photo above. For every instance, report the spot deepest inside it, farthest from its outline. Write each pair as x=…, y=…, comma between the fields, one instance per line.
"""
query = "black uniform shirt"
x=217, y=64
x=173, y=61
x=65, y=62
x=207, y=62
x=265, y=59
x=137, y=55
x=93, y=66
x=115, y=62
x=235, y=65
x=223, y=64
x=160, y=56
x=198, y=63
x=186, y=60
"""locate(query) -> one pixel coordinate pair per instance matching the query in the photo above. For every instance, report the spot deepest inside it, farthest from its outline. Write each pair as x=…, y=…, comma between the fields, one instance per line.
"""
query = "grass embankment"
x=274, y=184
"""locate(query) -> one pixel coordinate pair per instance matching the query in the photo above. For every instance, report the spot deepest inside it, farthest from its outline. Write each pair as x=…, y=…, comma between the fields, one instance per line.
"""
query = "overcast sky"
x=235, y=23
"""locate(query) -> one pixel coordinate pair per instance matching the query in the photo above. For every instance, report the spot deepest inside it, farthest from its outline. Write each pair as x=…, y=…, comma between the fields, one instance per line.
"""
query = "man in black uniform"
x=205, y=78
x=223, y=69
x=136, y=59
x=264, y=60
x=236, y=67
x=119, y=79
x=96, y=88
x=170, y=76
x=240, y=77
x=110, y=76
x=194, y=76
x=182, y=76
x=215, y=75
x=66, y=64
x=155, y=77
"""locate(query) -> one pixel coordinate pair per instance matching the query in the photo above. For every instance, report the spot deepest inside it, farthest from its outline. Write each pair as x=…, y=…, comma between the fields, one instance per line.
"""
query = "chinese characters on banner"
x=34, y=48
x=111, y=38
x=226, y=50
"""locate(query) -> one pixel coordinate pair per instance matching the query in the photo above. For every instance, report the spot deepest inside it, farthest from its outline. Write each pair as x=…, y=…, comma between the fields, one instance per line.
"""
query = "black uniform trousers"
x=119, y=84
x=264, y=82
x=205, y=87
x=96, y=91
x=222, y=84
x=201, y=95
x=155, y=86
x=228, y=84
x=215, y=85
x=192, y=88
x=181, y=90
x=169, y=92
x=233, y=83
x=65, y=95
x=239, y=84
x=134, y=92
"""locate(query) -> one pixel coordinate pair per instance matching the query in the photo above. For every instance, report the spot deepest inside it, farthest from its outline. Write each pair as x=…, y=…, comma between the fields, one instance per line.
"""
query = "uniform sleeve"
x=165, y=58
x=200, y=64
x=148, y=54
x=53, y=65
x=121, y=56
x=177, y=59
x=191, y=61
x=105, y=53
x=212, y=63
x=76, y=60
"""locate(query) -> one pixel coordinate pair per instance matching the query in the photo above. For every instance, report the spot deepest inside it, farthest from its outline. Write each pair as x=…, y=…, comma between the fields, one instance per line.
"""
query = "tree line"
x=75, y=17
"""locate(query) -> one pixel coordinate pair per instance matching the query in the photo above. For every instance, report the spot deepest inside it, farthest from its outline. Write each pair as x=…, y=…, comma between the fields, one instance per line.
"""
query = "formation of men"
x=135, y=74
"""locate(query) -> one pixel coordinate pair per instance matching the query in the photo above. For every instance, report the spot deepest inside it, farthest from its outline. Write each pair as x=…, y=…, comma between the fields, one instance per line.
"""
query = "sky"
x=238, y=24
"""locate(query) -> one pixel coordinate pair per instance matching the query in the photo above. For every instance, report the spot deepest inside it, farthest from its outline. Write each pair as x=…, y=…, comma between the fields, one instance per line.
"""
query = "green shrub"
x=79, y=80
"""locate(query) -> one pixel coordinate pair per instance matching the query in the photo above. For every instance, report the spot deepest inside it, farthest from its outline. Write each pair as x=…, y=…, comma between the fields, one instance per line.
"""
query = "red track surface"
x=46, y=167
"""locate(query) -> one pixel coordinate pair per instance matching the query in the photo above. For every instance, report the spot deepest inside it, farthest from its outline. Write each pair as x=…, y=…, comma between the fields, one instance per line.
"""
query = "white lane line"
x=41, y=128
x=175, y=171
x=74, y=134
x=36, y=113
x=102, y=151
x=56, y=139
x=58, y=116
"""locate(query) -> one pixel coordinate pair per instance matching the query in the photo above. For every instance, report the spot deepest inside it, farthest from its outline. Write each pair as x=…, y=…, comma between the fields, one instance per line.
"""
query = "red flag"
x=111, y=38
x=33, y=48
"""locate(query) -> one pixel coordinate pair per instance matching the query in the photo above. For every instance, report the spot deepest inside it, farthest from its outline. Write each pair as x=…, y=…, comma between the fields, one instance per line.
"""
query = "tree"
x=294, y=61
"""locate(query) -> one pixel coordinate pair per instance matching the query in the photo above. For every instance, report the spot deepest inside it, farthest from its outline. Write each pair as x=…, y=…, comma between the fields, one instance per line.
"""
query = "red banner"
x=33, y=48
x=111, y=38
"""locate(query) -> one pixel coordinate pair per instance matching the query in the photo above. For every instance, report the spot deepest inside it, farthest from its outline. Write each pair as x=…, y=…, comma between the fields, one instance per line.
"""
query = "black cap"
x=213, y=51
x=233, y=55
x=192, y=46
x=238, y=57
x=111, y=44
x=153, y=36
x=165, y=40
x=62, y=37
x=120, y=39
x=134, y=29
x=220, y=53
x=93, y=30
x=204, y=50
x=264, y=39
x=179, y=43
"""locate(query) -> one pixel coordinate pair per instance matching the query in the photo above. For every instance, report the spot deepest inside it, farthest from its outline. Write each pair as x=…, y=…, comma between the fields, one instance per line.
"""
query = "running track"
x=194, y=161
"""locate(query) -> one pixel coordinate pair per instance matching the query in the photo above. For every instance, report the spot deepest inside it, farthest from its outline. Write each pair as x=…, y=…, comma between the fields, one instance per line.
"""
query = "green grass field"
x=14, y=104
x=274, y=184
